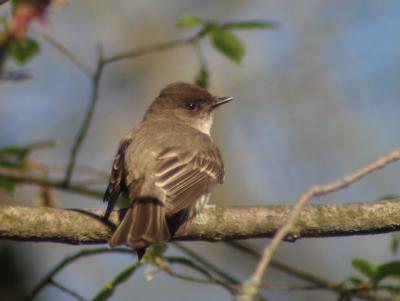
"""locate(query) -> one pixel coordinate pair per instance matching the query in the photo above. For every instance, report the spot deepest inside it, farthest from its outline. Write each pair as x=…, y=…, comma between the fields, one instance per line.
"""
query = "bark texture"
x=75, y=226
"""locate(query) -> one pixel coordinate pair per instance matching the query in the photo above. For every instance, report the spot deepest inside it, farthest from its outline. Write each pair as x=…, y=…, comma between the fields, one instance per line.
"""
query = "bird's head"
x=186, y=103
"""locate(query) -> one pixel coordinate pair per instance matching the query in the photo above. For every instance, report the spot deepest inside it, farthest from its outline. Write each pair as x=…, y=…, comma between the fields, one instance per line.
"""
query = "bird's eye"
x=191, y=106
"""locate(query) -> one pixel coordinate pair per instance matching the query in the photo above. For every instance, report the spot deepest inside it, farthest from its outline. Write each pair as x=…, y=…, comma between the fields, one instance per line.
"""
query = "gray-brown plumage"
x=166, y=165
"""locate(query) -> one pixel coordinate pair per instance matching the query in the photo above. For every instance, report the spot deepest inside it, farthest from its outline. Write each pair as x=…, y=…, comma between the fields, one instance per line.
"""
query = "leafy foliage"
x=364, y=267
x=222, y=37
x=188, y=20
x=228, y=44
x=388, y=269
x=376, y=273
x=22, y=50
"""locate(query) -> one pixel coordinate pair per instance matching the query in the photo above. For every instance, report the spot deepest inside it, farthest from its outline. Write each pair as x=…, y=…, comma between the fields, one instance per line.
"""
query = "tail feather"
x=144, y=224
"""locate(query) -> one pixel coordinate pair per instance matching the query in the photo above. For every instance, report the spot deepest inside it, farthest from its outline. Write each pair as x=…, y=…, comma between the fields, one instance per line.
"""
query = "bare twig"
x=41, y=145
x=67, y=290
x=65, y=51
x=249, y=288
x=340, y=289
x=22, y=177
x=284, y=267
x=186, y=262
x=86, y=121
x=82, y=169
x=48, y=279
x=206, y=263
x=108, y=289
x=155, y=48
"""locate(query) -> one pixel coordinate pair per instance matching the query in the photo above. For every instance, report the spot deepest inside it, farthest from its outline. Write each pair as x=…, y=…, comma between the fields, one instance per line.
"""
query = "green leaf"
x=228, y=44
x=388, y=269
x=22, y=50
x=249, y=25
x=365, y=267
x=188, y=20
x=202, y=77
x=355, y=280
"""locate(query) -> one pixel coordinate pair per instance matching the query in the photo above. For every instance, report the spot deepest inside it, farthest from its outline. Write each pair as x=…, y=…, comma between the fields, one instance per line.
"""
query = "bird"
x=165, y=166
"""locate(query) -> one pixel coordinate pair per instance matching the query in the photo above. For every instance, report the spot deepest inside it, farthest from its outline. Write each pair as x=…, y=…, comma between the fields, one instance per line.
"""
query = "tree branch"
x=66, y=226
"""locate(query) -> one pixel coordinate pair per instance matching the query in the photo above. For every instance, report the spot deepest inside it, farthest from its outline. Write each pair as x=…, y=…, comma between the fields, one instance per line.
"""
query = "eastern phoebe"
x=165, y=166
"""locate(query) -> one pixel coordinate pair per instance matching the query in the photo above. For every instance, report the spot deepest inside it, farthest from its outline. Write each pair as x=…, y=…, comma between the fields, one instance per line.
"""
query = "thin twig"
x=190, y=278
x=206, y=263
x=317, y=282
x=283, y=267
x=250, y=287
x=188, y=263
x=65, y=51
x=66, y=261
x=108, y=289
x=41, y=145
x=155, y=48
x=82, y=169
x=21, y=177
x=90, y=182
x=86, y=121
x=66, y=290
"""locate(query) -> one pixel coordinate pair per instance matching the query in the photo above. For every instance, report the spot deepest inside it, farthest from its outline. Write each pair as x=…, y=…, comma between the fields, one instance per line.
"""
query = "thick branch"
x=86, y=227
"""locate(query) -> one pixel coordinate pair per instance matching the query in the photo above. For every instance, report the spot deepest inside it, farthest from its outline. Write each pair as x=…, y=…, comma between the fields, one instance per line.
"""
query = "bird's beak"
x=221, y=100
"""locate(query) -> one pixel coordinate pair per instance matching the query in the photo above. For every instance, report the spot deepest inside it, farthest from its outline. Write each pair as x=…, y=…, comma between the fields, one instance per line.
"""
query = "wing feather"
x=116, y=183
x=186, y=176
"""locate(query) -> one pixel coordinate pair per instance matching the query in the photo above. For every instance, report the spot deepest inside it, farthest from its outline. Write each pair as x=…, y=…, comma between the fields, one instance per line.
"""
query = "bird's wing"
x=184, y=176
x=116, y=182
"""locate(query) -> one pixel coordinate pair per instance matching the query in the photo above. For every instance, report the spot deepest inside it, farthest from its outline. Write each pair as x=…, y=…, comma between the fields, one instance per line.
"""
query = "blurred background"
x=315, y=99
